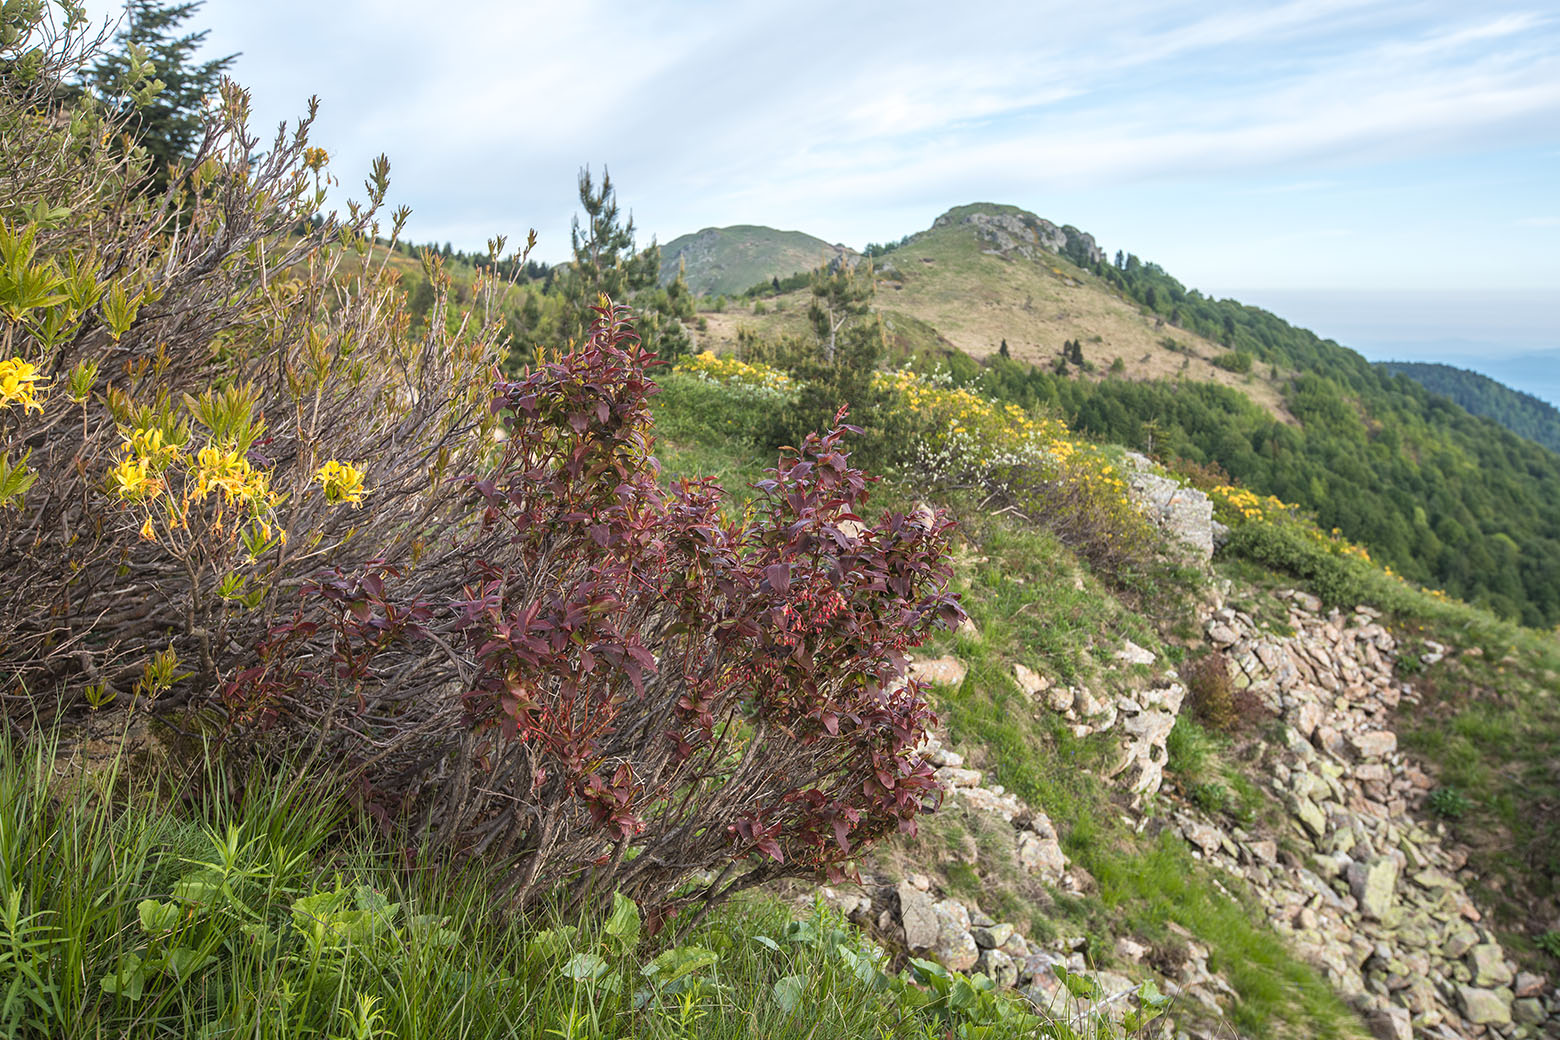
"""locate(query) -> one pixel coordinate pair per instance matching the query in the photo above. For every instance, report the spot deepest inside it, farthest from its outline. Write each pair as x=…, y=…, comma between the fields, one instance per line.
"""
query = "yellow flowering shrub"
x=753, y=377
x=343, y=482
x=1035, y=463
x=1237, y=505
x=179, y=397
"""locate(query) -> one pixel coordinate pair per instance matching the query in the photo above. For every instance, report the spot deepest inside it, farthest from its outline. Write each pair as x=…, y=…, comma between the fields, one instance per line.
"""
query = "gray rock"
x=1374, y=884
x=990, y=937
x=999, y=966
x=1371, y=743
x=1222, y=635
x=1488, y=964
x=918, y=916
x=1528, y=1011
x=1131, y=653
x=1485, y=1006
x=1029, y=681
x=1310, y=814
x=1528, y=984
x=1184, y=513
x=1042, y=855
x=1460, y=942
x=1391, y=1023
x=955, y=947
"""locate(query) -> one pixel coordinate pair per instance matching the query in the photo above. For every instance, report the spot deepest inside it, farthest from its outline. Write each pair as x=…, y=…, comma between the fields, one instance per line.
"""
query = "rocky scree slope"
x=1347, y=871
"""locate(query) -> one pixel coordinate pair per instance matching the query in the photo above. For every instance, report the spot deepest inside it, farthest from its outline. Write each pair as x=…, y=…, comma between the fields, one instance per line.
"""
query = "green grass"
x=1161, y=883
x=260, y=912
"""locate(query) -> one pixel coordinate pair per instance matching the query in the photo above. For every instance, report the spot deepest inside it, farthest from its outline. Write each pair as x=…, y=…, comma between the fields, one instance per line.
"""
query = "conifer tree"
x=170, y=118
x=607, y=261
x=840, y=293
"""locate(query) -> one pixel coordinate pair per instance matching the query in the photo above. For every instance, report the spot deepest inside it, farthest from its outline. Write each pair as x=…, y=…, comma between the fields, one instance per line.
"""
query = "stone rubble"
x=1357, y=885
x=1354, y=882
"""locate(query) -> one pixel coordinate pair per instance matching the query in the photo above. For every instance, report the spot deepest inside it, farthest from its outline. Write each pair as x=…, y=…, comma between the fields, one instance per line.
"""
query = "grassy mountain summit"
x=1521, y=413
x=731, y=259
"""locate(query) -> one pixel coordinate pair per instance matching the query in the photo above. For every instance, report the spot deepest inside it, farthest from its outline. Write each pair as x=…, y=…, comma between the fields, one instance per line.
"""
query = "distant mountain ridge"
x=731, y=260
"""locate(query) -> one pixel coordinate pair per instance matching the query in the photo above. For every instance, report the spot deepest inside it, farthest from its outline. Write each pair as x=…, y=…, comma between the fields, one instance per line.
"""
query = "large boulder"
x=1184, y=513
x=1488, y=963
x=1485, y=1006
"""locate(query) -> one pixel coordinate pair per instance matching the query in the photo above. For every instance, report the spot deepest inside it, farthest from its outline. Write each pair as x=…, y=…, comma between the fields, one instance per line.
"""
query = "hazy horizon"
x=1509, y=335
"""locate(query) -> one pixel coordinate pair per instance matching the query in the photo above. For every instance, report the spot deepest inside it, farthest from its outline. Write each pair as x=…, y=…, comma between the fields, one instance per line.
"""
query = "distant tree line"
x=1521, y=413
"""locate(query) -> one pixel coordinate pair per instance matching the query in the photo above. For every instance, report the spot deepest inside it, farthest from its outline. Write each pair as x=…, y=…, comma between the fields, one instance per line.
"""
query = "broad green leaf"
x=585, y=967
x=788, y=992
x=623, y=925
x=156, y=917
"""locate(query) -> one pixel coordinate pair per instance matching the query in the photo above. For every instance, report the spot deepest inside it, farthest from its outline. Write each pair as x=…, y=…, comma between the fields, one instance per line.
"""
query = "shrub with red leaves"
x=607, y=685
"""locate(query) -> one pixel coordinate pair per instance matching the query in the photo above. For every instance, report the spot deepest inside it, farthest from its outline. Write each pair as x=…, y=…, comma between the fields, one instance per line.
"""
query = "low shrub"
x=1210, y=694
x=603, y=684
x=1449, y=803
x=199, y=397
x=1034, y=467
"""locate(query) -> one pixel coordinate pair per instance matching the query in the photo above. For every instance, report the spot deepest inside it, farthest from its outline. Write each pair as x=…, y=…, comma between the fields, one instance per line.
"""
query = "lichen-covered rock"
x=1484, y=1006
x=999, y=966
x=1374, y=884
x=955, y=948
x=1391, y=1023
x=1487, y=961
x=991, y=936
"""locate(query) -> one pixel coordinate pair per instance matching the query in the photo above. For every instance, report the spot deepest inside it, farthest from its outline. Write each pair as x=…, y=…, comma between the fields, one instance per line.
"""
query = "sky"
x=1310, y=146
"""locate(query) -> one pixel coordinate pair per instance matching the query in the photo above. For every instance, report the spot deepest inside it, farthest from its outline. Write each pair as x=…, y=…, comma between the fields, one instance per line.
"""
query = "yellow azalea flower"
x=150, y=444
x=227, y=470
x=19, y=385
x=147, y=531
x=343, y=482
x=130, y=480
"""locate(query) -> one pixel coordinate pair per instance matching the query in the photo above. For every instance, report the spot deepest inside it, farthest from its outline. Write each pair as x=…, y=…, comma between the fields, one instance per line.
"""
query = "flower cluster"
x=754, y=378
x=19, y=385
x=343, y=482
x=968, y=431
x=1033, y=463
x=1238, y=505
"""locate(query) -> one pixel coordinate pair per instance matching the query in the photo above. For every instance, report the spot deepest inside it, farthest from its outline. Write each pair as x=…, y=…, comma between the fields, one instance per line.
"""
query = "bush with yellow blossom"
x=196, y=400
x=1032, y=464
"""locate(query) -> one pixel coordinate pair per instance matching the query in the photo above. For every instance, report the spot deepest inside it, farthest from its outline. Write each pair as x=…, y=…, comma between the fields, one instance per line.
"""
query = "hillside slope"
x=732, y=259
x=1449, y=499
x=1521, y=413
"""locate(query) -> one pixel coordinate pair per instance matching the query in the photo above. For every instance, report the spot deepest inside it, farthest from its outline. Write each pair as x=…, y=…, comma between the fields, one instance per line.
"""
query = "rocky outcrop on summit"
x=1010, y=232
x=1357, y=884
